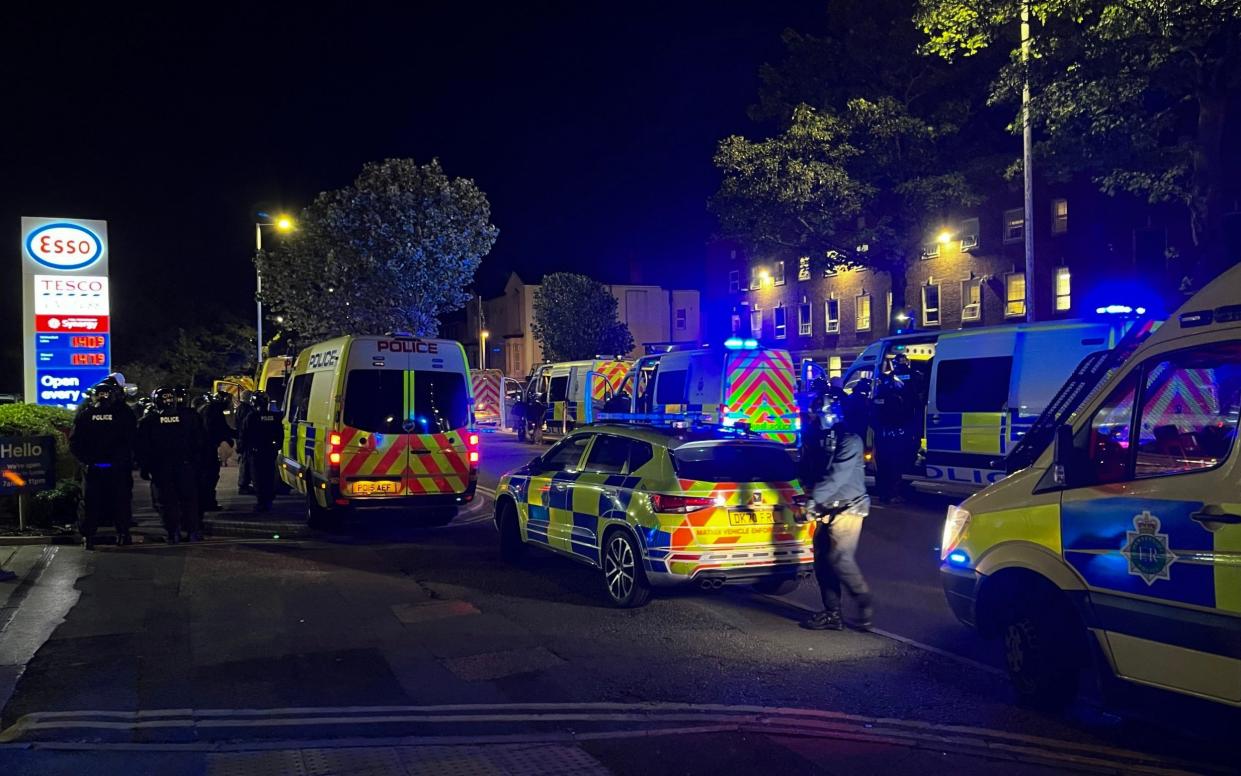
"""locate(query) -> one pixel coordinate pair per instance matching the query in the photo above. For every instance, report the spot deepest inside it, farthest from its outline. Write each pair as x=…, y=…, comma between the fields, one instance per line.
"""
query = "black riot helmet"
x=107, y=392
x=164, y=398
x=259, y=400
x=181, y=395
x=222, y=397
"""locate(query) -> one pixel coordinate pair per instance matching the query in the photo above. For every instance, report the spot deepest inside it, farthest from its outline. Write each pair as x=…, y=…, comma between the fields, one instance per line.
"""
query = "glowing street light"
x=482, y=348
x=284, y=224
x=944, y=237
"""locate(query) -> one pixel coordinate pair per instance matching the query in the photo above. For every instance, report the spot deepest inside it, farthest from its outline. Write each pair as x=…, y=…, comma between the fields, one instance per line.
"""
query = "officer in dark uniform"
x=245, y=479
x=839, y=503
x=103, y=441
x=262, y=433
x=215, y=433
x=169, y=444
x=888, y=413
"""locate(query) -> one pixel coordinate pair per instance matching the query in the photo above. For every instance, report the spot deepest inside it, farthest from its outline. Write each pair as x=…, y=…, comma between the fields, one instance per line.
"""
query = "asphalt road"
x=409, y=649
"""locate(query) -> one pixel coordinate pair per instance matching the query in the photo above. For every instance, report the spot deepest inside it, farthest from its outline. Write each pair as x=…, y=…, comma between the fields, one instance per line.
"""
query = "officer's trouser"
x=108, y=499
x=892, y=460
x=835, y=545
x=244, y=476
x=208, y=478
x=176, y=491
x=263, y=469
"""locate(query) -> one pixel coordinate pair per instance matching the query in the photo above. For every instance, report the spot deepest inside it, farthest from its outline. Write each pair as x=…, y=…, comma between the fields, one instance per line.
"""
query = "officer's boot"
x=88, y=542
x=824, y=620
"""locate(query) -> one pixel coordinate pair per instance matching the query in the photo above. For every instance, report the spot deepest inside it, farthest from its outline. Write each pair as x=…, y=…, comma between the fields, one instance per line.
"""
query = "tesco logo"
x=64, y=246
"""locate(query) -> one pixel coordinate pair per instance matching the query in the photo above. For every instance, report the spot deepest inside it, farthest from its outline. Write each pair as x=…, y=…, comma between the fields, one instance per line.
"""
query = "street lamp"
x=482, y=348
x=944, y=237
x=280, y=223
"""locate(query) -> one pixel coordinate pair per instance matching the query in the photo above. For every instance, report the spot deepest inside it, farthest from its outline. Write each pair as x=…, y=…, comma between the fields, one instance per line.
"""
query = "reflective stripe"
x=981, y=432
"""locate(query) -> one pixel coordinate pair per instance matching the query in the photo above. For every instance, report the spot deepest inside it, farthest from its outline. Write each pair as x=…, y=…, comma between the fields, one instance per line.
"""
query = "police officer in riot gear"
x=838, y=503
x=103, y=439
x=262, y=433
x=215, y=433
x=245, y=477
x=169, y=445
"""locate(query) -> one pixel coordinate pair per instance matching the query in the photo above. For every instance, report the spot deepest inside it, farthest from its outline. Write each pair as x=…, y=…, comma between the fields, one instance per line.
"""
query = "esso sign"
x=64, y=246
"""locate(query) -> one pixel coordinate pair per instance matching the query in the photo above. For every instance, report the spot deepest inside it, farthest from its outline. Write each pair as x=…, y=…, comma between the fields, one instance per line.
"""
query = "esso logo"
x=64, y=246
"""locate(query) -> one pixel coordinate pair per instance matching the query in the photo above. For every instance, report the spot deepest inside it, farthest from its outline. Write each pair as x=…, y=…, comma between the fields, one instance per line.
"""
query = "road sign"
x=27, y=464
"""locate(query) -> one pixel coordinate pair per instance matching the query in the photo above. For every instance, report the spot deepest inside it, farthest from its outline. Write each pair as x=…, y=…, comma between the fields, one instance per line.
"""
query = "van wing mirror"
x=1062, y=455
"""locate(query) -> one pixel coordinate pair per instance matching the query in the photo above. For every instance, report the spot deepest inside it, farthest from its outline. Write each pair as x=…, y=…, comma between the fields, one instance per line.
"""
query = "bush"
x=60, y=503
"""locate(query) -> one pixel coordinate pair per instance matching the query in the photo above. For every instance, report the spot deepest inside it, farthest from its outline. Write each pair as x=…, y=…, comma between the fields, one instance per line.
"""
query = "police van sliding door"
x=1153, y=524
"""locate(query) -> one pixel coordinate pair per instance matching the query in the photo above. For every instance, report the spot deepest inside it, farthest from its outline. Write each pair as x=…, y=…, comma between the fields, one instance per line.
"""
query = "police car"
x=1122, y=540
x=651, y=506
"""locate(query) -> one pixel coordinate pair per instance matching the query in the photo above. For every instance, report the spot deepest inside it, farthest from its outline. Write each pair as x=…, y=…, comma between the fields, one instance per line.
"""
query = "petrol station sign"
x=65, y=310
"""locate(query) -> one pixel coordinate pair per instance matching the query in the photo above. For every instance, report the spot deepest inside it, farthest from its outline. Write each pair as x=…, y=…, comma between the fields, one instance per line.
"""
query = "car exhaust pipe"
x=711, y=583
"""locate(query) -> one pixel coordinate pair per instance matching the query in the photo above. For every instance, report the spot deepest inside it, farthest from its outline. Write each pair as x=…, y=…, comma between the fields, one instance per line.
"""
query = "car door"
x=1154, y=525
x=549, y=511
x=596, y=492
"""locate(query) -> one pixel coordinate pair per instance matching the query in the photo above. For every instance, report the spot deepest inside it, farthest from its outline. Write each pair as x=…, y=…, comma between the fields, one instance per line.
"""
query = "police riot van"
x=1119, y=545
x=563, y=388
x=741, y=385
x=273, y=376
x=380, y=421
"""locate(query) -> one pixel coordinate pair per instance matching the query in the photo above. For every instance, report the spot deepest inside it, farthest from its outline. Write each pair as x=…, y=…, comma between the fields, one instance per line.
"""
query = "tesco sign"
x=64, y=246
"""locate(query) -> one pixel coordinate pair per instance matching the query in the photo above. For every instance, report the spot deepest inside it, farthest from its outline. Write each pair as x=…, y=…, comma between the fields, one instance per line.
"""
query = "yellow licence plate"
x=375, y=488
x=757, y=517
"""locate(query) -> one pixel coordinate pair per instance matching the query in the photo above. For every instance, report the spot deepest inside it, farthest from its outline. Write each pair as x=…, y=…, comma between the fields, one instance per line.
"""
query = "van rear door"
x=373, y=442
x=438, y=404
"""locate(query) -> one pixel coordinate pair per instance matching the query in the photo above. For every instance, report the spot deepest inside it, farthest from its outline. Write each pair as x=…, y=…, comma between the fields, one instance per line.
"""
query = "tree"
x=1135, y=93
x=575, y=318
x=391, y=252
x=193, y=357
x=871, y=153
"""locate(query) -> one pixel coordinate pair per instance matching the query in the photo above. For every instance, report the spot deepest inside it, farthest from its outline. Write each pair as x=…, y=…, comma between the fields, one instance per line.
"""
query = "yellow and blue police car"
x=652, y=506
x=1120, y=546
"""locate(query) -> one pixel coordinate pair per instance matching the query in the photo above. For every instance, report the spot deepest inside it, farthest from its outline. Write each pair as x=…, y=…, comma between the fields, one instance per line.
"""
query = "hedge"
x=60, y=503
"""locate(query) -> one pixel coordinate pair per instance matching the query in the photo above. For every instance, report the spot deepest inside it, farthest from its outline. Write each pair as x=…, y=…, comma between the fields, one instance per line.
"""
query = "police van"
x=382, y=421
x=1121, y=541
x=741, y=385
x=273, y=377
x=564, y=386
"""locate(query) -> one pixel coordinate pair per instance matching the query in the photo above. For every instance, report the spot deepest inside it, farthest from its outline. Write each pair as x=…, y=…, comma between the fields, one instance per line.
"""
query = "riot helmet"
x=164, y=398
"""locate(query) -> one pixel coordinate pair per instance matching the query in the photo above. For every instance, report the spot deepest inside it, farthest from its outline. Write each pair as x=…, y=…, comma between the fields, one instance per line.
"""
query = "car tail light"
x=661, y=502
x=473, y=440
x=473, y=456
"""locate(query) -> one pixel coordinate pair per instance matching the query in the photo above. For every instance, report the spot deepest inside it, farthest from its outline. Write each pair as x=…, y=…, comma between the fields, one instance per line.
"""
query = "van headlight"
x=955, y=523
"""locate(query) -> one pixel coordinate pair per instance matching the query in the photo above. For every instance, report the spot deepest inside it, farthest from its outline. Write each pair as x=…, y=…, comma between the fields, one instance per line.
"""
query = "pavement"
x=399, y=648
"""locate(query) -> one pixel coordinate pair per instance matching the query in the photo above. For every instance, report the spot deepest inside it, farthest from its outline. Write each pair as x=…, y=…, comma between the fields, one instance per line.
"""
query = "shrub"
x=60, y=503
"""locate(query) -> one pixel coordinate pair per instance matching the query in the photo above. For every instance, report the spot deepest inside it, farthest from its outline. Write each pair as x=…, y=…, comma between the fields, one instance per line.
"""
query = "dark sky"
x=589, y=126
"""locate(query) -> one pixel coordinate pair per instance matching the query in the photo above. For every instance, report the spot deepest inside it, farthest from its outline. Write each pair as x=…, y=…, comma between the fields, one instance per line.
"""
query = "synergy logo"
x=64, y=246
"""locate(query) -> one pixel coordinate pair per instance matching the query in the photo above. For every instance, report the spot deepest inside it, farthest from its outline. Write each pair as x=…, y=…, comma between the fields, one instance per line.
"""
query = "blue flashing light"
x=958, y=558
x=1140, y=311
x=734, y=343
x=750, y=344
x=1118, y=309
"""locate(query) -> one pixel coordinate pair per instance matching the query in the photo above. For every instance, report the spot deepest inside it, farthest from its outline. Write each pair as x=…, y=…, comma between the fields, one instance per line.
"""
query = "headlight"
x=954, y=525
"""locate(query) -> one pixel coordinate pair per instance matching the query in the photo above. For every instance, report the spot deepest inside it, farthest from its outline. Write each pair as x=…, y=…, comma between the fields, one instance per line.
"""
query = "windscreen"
x=375, y=400
x=733, y=462
x=275, y=389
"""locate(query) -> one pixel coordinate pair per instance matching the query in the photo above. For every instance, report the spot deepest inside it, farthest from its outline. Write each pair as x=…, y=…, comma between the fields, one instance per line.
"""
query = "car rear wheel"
x=512, y=548
x=624, y=582
x=777, y=585
x=1039, y=640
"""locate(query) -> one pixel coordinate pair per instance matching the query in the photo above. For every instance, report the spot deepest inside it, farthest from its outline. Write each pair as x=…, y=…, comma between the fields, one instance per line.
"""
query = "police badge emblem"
x=1147, y=550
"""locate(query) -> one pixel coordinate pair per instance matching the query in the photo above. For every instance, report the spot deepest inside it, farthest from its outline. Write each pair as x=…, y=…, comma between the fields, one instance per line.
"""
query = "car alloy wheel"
x=618, y=568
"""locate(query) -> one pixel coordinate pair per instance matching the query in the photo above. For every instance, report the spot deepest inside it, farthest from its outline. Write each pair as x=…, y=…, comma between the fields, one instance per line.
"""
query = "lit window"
x=930, y=304
x=1059, y=216
x=778, y=274
x=862, y=313
x=804, y=326
x=780, y=321
x=1014, y=225
x=756, y=277
x=969, y=234
x=803, y=268
x=971, y=299
x=831, y=309
x=835, y=368
x=1063, y=289
x=734, y=281
x=1015, y=295
x=756, y=322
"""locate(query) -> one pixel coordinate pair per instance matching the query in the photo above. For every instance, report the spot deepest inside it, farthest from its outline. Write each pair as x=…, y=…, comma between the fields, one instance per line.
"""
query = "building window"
x=862, y=313
x=1059, y=216
x=835, y=367
x=831, y=308
x=756, y=322
x=735, y=324
x=804, y=327
x=756, y=277
x=971, y=299
x=1014, y=225
x=780, y=322
x=778, y=275
x=930, y=250
x=681, y=318
x=930, y=304
x=1015, y=295
x=803, y=268
x=1064, y=299
x=969, y=234
x=734, y=281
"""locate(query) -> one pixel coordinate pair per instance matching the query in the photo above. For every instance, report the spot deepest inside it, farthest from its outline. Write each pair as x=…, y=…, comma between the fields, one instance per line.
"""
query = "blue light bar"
x=1118, y=309
x=734, y=343
x=958, y=558
x=750, y=344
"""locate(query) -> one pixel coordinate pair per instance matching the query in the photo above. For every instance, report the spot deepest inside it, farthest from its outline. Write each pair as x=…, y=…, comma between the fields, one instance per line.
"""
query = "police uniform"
x=216, y=432
x=170, y=441
x=261, y=435
x=893, y=449
x=102, y=439
x=245, y=478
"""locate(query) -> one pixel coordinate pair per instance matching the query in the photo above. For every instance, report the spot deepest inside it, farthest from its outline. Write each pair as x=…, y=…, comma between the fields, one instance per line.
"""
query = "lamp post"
x=280, y=224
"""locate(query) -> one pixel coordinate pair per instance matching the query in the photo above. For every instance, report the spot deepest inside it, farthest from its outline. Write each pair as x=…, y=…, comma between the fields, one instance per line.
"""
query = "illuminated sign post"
x=65, y=311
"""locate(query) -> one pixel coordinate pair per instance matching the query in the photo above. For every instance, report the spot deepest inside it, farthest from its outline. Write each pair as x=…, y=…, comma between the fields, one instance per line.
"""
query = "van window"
x=275, y=389
x=1103, y=446
x=608, y=455
x=670, y=387
x=973, y=384
x=299, y=397
x=375, y=401
x=559, y=390
x=733, y=462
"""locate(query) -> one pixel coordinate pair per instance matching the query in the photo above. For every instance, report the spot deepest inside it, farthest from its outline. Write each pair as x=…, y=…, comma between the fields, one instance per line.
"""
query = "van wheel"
x=321, y=518
x=624, y=581
x=777, y=585
x=1040, y=637
x=512, y=548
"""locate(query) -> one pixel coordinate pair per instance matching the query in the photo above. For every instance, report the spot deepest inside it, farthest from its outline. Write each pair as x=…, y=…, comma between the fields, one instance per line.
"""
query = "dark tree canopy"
x=575, y=318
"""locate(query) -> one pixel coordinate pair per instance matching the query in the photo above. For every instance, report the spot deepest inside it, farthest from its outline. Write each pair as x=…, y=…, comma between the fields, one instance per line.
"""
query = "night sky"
x=590, y=128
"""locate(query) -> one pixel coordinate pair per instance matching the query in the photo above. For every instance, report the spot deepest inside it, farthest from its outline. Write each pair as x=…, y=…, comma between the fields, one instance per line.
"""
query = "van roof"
x=1216, y=306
